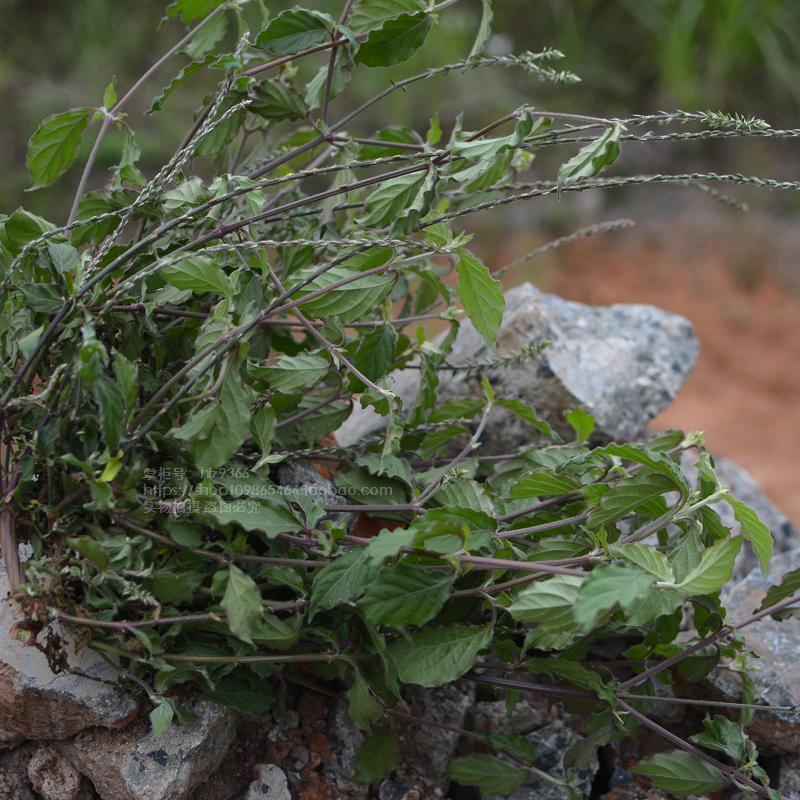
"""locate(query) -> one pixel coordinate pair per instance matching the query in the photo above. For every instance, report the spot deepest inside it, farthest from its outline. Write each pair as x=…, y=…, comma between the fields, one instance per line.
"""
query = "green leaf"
x=627, y=496
x=395, y=136
x=405, y=595
x=273, y=632
x=680, y=773
x=109, y=400
x=654, y=605
x=497, y=148
x=484, y=30
x=41, y=297
x=715, y=568
x=294, y=30
x=388, y=543
x=543, y=482
x=523, y=410
x=277, y=101
x=375, y=355
x=584, y=751
x=606, y=588
x=55, y=145
x=456, y=408
x=293, y=375
x=253, y=514
x=199, y=274
x=23, y=227
x=434, y=656
x=488, y=773
x=395, y=41
x=362, y=707
x=548, y=602
x=646, y=557
x=242, y=601
x=755, y=531
x=377, y=757
x=368, y=14
x=350, y=302
x=232, y=426
x=110, y=95
x=387, y=202
x=591, y=160
x=248, y=697
x=171, y=587
x=199, y=425
x=262, y=426
x=181, y=77
x=127, y=375
x=192, y=9
x=161, y=719
x=63, y=256
x=789, y=585
x=581, y=422
x=481, y=296
x=90, y=548
x=345, y=579
x=205, y=39
x=465, y=493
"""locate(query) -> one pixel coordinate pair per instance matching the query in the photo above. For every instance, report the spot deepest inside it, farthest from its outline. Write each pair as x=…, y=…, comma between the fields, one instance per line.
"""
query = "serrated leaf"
x=199, y=425
x=294, y=30
x=466, y=493
x=405, y=595
x=543, y=482
x=127, y=375
x=755, y=531
x=375, y=354
x=192, y=9
x=180, y=78
x=63, y=256
x=606, y=588
x=434, y=656
x=362, y=707
x=715, y=568
x=199, y=274
x=293, y=374
x=377, y=757
x=23, y=227
x=581, y=422
x=627, y=496
x=277, y=101
x=488, y=773
x=680, y=773
x=161, y=718
x=591, y=159
x=646, y=557
x=652, y=606
x=254, y=514
x=789, y=585
x=390, y=199
x=262, y=426
x=522, y=409
x=481, y=296
x=242, y=602
x=55, y=145
x=548, y=602
x=345, y=579
x=368, y=14
x=205, y=39
x=395, y=41
x=109, y=400
x=456, y=408
x=395, y=137
x=584, y=751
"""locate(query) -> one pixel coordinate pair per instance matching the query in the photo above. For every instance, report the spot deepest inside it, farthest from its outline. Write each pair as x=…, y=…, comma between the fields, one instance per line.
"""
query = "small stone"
x=345, y=740
x=132, y=765
x=493, y=717
x=320, y=725
x=14, y=780
x=53, y=777
x=270, y=784
x=392, y=790
x=300, y=756
x=288, y=722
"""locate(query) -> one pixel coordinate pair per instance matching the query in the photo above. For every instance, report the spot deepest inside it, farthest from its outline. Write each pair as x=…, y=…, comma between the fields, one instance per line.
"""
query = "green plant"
x=154, y=374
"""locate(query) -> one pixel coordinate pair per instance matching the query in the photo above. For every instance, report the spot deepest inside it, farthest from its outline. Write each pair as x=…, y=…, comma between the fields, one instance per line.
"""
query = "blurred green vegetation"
x=633, y=57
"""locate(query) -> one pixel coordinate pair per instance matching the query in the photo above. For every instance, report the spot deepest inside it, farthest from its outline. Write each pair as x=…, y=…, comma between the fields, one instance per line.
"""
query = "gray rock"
x=392, y=790
x=270, y=785
x=9, y=739
x=622, y=363
x=346, y=740
x=777, y=682
x=493, y=717
x=14, y=780
x=54, y=778
x=432, y=749
x=130, y=764
x=37, y=703
x=298, y=476
x=550, y=743
x=789, y=785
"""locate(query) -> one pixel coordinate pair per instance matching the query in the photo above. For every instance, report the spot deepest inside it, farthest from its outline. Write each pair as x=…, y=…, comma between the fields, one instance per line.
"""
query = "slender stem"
x=546, y=526
x=502, y=563
x=303, y=414
x=109, y=116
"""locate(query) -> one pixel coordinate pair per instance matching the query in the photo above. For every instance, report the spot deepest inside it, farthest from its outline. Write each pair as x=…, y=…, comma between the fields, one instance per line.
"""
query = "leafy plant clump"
x=166, y=350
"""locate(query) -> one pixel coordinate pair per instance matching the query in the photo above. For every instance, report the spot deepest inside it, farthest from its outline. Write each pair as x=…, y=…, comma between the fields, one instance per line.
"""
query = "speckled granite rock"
x=130, y=764
x=623, y=363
